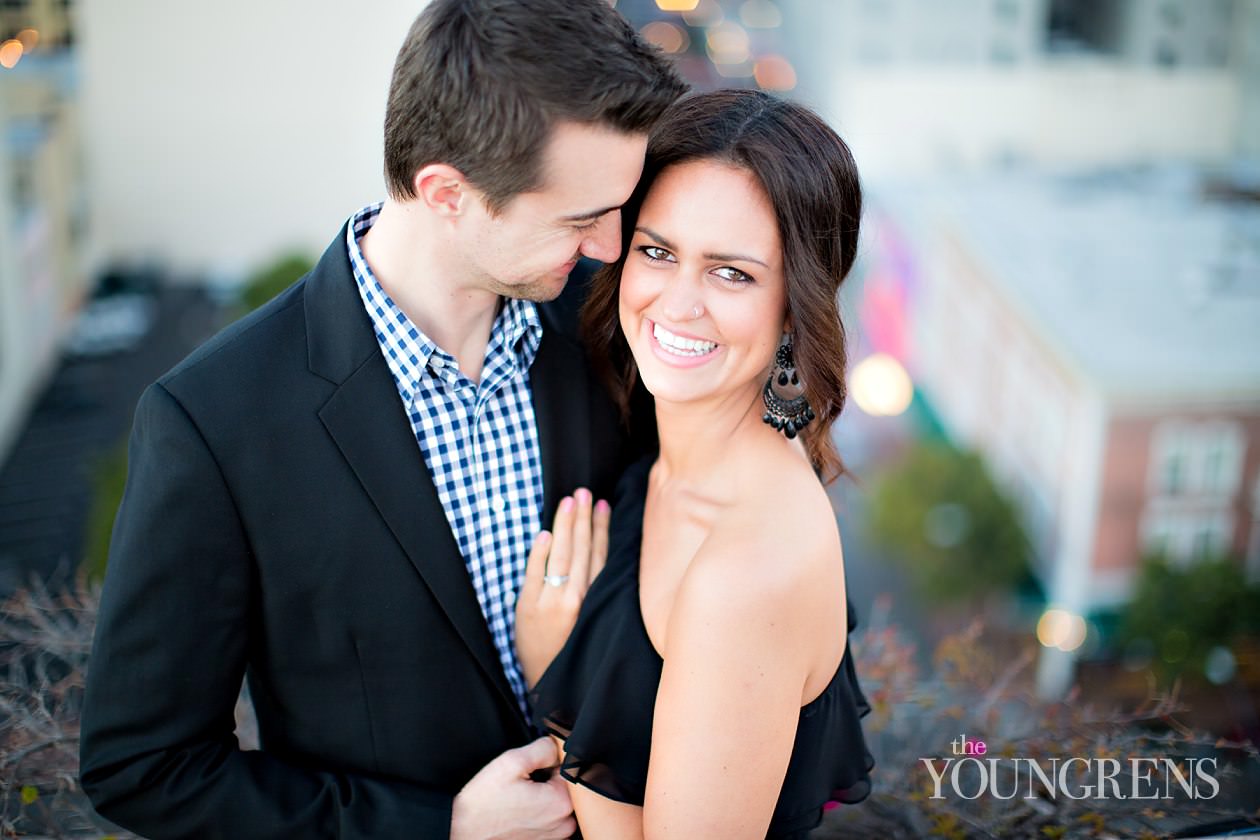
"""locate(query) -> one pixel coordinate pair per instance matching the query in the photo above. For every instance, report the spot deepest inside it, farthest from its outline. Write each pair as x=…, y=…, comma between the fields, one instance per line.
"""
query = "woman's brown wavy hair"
x=812, y=182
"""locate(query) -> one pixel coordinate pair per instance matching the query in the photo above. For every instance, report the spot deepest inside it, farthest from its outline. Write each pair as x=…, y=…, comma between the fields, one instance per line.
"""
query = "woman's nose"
x=682, y=302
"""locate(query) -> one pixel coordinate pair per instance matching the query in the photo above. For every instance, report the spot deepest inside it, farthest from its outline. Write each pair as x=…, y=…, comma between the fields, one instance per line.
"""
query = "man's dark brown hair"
x=478, y=85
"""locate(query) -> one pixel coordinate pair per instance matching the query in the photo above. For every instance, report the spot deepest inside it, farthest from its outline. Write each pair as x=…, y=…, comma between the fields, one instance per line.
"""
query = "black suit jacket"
x=279, y=520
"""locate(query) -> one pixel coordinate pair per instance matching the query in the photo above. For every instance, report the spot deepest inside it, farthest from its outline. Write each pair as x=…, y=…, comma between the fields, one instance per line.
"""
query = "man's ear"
x=441, y=188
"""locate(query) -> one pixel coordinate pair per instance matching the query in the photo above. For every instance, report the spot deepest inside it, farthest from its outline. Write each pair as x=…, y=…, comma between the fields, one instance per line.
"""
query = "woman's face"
x=703, y=297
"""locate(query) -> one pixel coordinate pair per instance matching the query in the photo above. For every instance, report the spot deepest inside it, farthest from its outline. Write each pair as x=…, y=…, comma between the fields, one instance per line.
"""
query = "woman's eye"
x=654, y=253
x=733, y=275
x=592, y=223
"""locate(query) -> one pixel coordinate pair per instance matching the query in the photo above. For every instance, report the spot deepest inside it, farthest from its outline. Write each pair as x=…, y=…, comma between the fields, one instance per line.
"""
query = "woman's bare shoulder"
x=772, y=547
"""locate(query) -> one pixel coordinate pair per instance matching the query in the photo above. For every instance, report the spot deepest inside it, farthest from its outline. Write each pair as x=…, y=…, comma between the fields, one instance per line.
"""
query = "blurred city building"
x=43, y=277
x=1094, y=335
x=921, y=86
x=1065, y=254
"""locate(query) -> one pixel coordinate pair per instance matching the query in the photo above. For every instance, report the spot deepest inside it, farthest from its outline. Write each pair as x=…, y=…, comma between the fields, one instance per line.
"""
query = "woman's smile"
x=679, y=348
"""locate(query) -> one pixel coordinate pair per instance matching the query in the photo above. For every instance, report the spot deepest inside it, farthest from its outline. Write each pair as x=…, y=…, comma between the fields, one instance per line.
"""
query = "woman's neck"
x=697, y=439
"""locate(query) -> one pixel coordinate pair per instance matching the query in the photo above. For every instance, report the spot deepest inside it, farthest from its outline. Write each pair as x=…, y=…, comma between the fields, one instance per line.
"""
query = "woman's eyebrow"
x=665, y=243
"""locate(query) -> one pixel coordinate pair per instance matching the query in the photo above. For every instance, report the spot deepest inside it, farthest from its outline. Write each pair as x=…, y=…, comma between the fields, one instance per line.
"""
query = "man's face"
x=528, y=250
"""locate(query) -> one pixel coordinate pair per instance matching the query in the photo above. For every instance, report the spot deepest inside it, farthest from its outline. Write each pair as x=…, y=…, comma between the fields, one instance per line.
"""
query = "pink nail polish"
x=566, y=504
x=603, y=506
x=583, y=495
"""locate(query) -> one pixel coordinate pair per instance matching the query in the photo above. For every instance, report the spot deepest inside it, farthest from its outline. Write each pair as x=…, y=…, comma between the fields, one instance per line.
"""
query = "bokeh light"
x=1220, y=665
x=29, y=38
x=1076, y=632
x=676, y=5
x=880, y=386
x=774, y=72
x=727, y=43
x=946, y=525
x=742, y=70
x=11, y=53
x=1061, y=629
x=760, y=14
x=670, y=37
x=705, y=13
x=1052, y=628
x=1176, y=645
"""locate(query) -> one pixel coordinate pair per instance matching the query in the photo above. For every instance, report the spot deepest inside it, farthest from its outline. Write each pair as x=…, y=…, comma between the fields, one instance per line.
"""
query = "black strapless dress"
x=600, y=692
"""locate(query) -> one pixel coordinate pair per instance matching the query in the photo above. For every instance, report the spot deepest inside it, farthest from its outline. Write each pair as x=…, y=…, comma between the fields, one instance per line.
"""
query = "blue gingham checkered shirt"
x=479, y=441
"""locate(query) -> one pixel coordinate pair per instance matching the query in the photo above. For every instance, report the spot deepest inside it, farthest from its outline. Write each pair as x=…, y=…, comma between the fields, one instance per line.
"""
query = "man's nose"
x=603, y=243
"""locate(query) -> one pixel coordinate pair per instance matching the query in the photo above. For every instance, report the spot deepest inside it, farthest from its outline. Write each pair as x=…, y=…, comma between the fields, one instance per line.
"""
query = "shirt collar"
x=410, y=354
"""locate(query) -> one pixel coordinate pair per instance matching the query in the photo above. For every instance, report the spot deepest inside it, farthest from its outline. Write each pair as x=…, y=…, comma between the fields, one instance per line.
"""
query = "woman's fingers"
x=561, y=556
x=536, y=566
x=599, y=538
x=580, y=564
x=568, y=558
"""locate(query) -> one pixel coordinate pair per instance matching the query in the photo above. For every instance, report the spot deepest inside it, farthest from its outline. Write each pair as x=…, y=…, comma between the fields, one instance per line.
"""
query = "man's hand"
x=561, y=565
x=501, y=803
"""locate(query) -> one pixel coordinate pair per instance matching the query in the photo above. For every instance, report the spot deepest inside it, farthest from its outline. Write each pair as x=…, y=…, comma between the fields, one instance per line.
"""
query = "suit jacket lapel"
x=561, y=399
x=366, y=419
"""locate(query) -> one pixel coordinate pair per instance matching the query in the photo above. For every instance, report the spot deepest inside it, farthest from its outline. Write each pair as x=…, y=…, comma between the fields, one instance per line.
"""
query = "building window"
x=1186, y=538
x=1203, y=458
x=1170, y=459
x=1214, y=537
x=1221, y=450
x=1088, y=26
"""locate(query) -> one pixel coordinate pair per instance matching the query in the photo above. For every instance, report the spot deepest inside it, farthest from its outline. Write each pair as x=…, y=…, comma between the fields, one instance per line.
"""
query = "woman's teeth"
x=680, y=346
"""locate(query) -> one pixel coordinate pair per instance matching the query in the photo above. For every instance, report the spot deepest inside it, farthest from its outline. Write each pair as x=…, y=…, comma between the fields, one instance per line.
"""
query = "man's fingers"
x=566, y=828
x=599, y=538
x=580, y=566
x=537, y=755
x=561, y=555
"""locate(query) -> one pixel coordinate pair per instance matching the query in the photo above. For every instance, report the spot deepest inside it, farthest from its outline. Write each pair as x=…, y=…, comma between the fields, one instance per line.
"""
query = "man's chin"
x=539, y=290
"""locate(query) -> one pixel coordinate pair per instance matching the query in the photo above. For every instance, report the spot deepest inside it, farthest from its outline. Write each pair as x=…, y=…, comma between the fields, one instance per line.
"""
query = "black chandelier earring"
x=787, y=410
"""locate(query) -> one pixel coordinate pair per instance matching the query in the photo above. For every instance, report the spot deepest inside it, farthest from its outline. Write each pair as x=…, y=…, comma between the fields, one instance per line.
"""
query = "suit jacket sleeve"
x=159, y=756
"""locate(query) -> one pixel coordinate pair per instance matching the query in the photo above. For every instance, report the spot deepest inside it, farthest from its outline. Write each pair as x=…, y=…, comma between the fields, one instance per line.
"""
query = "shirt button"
x=498, y=504
x=509, y=598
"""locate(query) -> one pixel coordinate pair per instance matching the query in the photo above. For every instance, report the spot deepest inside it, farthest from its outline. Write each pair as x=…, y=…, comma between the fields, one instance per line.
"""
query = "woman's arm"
x=738, y=652
x=601, y=818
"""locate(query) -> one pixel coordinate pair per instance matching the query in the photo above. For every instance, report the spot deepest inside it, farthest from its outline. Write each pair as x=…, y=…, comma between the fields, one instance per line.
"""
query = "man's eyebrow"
x=665, y=243
x=586, y=217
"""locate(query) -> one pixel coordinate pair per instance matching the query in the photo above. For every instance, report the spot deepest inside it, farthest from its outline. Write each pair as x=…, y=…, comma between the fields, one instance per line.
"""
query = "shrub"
x=274, y=278
x=1180, y=615
x=942, y=516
